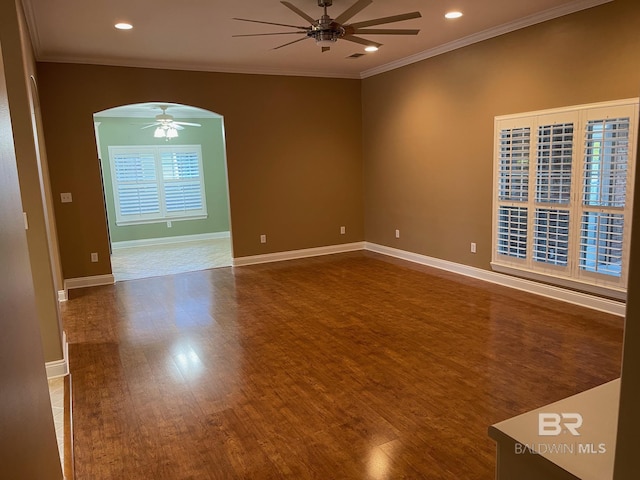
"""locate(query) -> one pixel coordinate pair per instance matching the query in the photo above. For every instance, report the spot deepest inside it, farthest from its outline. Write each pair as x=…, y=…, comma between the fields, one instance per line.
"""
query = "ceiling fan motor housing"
x=326, y=31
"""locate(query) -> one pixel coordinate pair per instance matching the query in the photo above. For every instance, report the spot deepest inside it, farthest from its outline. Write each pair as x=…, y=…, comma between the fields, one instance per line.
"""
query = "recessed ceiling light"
x=453, y=15
x=123, y=26
x=371, y=48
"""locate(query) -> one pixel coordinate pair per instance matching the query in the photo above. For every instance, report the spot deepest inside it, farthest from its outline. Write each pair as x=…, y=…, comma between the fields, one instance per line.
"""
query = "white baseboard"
x=93, y=281
x=557, y=293
x=146, y=242
x=63, y=295
x=577, y=298
x=294, y=254
x=549, y=291
x=59, y=368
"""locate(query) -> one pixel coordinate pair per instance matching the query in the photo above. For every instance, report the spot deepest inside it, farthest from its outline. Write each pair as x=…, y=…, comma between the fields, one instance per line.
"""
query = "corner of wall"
x=59, y=368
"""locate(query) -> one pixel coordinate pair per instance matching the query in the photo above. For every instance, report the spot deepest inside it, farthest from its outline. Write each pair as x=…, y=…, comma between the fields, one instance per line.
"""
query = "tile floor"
x=56, y=392
x=152, y=261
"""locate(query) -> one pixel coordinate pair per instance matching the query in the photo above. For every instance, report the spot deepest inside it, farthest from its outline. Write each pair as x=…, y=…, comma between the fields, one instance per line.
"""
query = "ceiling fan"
x=326, y=31
x=166, y=126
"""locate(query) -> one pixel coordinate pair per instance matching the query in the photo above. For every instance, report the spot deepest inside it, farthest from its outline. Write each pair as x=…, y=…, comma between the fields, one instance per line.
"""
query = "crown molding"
x=525, y=22
x=32, y=27
x=553, y=13
x=195, y=67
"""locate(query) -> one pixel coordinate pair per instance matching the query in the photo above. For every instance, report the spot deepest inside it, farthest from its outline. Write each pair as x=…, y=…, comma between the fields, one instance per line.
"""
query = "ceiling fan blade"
x=150, y=125
x=188, y=124
x=176, y=126
x=274, y=33
x=380, y=21
x=290, y=43
x=386, y=31
x=271, y=23
x=299, y=12
x=361, y=41
x=352, y=11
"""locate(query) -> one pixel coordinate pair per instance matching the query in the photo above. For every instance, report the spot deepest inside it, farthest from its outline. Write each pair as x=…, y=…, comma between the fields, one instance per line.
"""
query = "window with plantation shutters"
x=563, y=195
x=157, y=183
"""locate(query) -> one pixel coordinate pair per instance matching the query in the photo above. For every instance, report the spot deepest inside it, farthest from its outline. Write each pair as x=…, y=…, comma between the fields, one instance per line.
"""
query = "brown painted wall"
x=428, y=127
x=32, y=174
x=293, y=144
x=294, y=153
x=28, y=446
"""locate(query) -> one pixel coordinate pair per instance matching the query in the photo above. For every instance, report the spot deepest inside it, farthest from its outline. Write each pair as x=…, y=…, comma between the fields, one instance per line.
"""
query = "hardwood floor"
x=351, y=366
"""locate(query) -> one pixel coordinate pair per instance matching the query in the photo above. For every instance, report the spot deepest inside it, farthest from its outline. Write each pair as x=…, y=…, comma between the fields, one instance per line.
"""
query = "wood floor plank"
x=346, y=366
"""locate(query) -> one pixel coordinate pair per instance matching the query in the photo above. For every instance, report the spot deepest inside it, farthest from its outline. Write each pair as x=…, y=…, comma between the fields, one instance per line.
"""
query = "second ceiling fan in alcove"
x=326, y=31
x=166, y=126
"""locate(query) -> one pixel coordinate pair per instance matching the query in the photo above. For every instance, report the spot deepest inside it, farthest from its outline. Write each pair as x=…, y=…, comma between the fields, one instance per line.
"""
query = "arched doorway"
x=165, y=189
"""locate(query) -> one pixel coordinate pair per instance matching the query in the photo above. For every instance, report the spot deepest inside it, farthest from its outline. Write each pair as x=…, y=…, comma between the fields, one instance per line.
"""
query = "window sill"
x=601, y=290
x=159, y=220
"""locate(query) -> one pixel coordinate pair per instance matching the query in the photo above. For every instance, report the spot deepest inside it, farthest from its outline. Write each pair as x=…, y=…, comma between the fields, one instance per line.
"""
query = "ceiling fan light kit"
x=166, y=132
x=326, y=31
x=166, y=126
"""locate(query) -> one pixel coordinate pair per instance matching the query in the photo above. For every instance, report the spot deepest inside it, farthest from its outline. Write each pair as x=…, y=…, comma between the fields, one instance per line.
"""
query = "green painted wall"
x=127, y=131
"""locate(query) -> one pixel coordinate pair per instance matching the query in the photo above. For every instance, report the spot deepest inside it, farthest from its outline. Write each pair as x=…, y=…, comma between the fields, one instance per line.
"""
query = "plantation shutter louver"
x=551, y=236
x=136, y=184
x=182, y=182
x=553, y=173
x=513, y=188
x=512, y=231
x=553, y=191
x=604, y=187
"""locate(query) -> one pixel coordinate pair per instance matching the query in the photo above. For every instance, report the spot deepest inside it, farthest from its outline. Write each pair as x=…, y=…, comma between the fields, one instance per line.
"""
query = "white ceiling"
x=197, y=34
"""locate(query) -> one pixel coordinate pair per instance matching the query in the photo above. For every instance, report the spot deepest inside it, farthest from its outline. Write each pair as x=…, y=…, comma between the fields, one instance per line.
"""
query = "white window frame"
x=160, y=183
x=569, y=273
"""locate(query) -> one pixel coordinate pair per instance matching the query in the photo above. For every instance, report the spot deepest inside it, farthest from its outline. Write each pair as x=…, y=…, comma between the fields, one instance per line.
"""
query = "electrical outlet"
x=343, y=230
x=66, y=198
x=94, y=257
x=263, y=239
x=169, y=224
x=473, y=247
x=397, y=233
